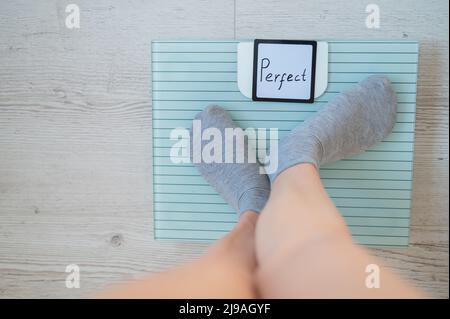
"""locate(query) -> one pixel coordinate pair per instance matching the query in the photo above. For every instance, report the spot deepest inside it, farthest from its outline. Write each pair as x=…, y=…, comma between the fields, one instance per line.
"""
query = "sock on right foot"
x=352, y=122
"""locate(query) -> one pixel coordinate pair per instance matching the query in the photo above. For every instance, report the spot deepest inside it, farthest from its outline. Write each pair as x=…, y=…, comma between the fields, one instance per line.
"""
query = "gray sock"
x=242, y=185
x=349, y=124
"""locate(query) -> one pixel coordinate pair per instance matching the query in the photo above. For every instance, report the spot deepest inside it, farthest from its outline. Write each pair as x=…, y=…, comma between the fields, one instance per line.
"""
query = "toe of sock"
x=382, y=95
x=382, y=86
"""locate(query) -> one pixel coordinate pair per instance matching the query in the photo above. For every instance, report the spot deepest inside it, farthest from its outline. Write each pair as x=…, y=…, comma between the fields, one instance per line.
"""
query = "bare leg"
x=304, y=248
x=225, y=271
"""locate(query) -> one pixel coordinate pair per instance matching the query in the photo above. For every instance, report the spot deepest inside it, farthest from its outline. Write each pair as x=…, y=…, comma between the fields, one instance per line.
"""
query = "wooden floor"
x=75, y=130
